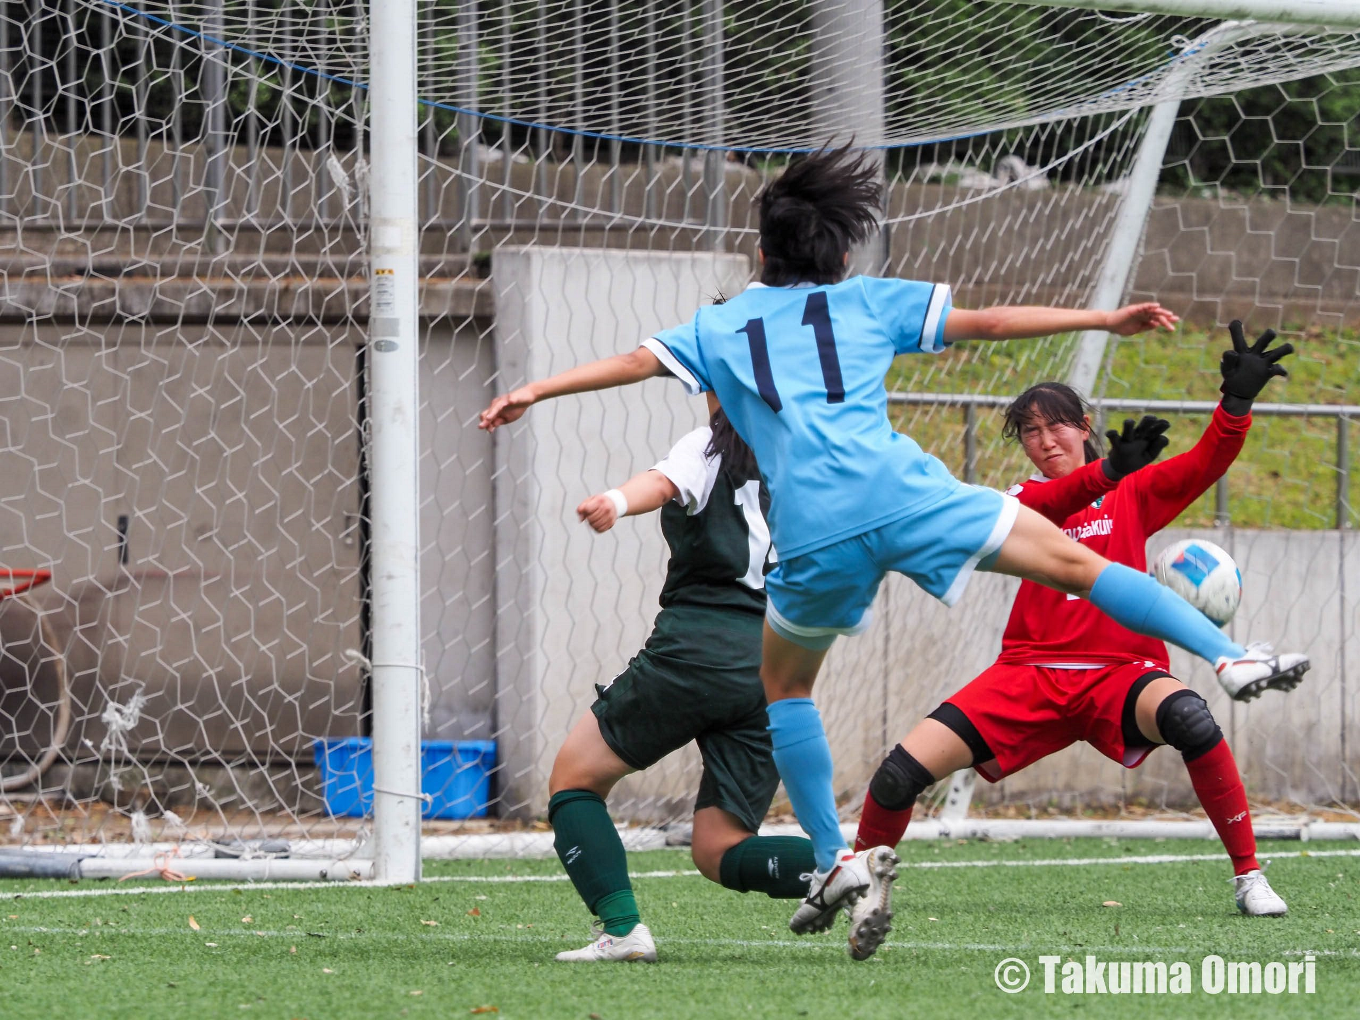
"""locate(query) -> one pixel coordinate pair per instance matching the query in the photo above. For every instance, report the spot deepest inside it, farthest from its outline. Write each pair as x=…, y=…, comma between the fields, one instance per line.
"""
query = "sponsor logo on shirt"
x=1103, y=526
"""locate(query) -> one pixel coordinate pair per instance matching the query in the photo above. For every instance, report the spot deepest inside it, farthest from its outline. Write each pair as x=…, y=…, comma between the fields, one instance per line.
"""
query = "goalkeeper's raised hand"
x=1136, y=447
x=1246, y=370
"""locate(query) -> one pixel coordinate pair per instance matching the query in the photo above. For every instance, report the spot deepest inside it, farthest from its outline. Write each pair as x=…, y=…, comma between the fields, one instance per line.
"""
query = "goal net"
x=184, y=198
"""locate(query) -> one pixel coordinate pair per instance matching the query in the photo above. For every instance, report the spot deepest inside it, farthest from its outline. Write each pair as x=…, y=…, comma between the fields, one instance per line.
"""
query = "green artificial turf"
x=476, y=936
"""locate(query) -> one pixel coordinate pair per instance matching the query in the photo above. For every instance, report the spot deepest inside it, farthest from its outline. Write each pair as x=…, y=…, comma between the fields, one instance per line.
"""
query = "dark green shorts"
x=698, y=678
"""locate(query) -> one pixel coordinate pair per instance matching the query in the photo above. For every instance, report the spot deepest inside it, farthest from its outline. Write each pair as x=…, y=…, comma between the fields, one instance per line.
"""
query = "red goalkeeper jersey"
x=1114, y=519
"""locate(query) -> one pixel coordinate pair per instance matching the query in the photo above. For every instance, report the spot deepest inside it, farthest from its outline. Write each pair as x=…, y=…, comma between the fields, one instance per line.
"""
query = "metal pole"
x=394, y=411
x=715, y=159
x=847, y=93
x=1222, y=515
x=970, y=443
x=469, y=163
x=214, y=176
x=1343, y=472
x=1126, y=237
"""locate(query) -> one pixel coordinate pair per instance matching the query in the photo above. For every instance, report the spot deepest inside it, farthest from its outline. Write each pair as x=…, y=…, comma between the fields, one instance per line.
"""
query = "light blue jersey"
x=799, y=371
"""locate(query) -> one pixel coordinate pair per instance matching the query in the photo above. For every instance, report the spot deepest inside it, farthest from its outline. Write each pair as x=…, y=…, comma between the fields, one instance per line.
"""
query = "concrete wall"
x=571, y=606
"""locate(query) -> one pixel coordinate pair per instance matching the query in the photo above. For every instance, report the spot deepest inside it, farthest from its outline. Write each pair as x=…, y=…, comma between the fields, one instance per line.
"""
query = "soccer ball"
x=1202, y=574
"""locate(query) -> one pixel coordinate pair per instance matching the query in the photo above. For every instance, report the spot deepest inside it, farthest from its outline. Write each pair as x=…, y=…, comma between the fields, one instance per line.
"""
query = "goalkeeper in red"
x=1067, y=672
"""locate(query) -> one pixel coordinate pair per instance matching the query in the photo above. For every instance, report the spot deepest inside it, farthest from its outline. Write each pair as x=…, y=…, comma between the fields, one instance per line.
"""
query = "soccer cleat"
x=1260, y=670
x=829, y=892
x=1256, y=898
x=635, y=947
x=871, y=912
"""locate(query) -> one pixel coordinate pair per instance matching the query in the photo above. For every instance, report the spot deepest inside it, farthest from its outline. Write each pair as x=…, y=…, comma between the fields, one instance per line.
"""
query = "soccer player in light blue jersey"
x=798, y=361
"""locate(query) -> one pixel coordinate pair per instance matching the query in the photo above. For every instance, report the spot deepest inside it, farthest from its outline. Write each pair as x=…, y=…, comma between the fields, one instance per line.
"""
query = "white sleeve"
x=690, y=471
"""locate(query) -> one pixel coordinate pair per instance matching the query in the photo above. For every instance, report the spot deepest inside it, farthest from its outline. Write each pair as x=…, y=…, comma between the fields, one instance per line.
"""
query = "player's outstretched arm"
x=1016, y=322
x=619, y=370
x=641, y=494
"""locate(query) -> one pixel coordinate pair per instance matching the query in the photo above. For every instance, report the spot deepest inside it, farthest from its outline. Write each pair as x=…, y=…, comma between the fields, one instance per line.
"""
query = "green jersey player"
x=697, y=679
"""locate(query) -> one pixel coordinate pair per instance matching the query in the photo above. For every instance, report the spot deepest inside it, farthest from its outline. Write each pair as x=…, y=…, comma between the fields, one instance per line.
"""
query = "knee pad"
x=1186, y=723
x=899, y=781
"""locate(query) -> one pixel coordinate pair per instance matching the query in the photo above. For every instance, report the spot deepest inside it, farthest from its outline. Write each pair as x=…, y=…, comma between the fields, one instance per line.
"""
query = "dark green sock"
x=769, y=864
x=590, y=849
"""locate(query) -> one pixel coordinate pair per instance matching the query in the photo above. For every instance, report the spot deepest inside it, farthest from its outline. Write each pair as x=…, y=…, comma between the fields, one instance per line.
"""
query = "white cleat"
x=829, y=892
x=1259, y=670
x=870, y=914
x=1256, y=898
x=635, y=947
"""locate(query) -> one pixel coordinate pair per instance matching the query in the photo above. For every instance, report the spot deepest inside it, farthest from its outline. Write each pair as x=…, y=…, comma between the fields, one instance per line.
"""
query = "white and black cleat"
x=871, y=913
x=1255, y=897
x=829, y=892
x=1260, y=670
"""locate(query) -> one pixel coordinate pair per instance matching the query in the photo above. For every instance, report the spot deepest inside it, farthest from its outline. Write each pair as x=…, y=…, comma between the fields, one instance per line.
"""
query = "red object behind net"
x=16, y=582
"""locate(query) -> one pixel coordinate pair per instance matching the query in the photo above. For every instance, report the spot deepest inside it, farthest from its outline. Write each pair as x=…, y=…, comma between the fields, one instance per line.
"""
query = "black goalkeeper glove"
x=1136, y=447
x=1246, y=370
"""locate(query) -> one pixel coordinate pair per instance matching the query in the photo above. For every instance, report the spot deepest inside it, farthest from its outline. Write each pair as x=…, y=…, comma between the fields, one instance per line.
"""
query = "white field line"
x=1052, y=862
x=300, y=937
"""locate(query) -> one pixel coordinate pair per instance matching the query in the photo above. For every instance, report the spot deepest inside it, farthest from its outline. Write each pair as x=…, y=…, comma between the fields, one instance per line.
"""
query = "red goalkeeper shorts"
x=1025, y=713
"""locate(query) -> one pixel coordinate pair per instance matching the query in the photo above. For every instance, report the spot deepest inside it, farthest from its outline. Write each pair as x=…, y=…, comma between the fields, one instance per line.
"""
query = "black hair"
x=813, y=212
x=737, y=459
x=1056, y=403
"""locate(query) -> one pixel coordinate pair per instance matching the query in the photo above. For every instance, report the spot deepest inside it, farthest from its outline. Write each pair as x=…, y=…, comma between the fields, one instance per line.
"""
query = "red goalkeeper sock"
x=880, y=827
x=1219, y=788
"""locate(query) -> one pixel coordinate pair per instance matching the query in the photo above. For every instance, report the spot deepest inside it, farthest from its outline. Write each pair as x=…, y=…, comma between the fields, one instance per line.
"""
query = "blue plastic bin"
x=455, y=773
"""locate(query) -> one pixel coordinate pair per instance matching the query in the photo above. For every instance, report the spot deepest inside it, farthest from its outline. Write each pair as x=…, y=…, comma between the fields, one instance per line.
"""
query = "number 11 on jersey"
x=816, y=314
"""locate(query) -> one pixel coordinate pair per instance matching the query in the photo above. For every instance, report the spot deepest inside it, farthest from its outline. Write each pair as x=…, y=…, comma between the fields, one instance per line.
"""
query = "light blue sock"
x=1138, y=602
x=803, y=758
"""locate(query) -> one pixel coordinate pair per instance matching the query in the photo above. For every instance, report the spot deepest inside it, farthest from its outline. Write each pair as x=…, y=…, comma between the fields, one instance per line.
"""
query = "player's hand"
x=506, y=408
x=1246, y=370
x=1133, y=319
x=599, y=512
x=1137, y=446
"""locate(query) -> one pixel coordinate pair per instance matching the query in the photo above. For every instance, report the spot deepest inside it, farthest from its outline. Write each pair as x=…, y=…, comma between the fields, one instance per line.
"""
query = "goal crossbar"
x=1329, y=13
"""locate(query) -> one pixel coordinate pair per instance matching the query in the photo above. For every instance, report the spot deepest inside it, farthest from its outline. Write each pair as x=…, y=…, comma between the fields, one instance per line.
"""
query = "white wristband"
x=620, y=502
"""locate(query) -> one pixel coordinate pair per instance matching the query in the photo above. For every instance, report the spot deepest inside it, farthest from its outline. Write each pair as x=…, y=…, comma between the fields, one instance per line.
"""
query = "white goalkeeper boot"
x=831, y=891
x=635, y=947
x=1259, y=670
x=870, y=914
x=1256, y=898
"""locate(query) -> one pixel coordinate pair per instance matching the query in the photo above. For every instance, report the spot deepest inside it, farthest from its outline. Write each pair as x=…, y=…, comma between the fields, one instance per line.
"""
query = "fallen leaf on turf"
x=594, y=1016
x=430, y=924
x=192, y=923
x=1112, y=903
x=211, y=945
x=327, y=970
x=932, y=918
x=474, y=912
x=14, y=917
x=100, y=956
x=485, y=1009
x=292, y=950
x=247, y=919
x=415, y=992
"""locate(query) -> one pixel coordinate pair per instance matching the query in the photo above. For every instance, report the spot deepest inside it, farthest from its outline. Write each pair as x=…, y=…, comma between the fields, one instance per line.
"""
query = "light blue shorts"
x=826, y=592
